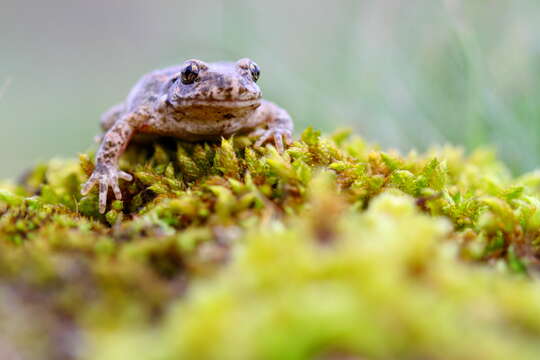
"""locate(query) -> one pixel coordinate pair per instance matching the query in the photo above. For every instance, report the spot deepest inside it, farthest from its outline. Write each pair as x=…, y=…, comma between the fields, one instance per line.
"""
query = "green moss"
x=227, y=251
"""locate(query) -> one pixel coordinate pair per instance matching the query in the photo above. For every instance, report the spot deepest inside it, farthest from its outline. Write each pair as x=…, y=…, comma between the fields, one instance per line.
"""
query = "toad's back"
x=149, y=88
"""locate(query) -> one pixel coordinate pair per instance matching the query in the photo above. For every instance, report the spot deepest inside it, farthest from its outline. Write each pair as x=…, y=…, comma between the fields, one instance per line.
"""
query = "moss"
x=231, y=251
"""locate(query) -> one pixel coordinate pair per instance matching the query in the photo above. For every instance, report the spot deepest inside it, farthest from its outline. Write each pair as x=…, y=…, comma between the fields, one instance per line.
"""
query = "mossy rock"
x=331, y=250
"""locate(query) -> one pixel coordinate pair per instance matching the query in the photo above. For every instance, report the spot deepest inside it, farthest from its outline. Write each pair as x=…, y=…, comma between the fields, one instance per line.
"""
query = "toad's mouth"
x=220, y=103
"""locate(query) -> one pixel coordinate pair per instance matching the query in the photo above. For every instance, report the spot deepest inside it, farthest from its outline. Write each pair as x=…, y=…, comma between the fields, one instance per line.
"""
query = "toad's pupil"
x=190, y=73
x=255, y=72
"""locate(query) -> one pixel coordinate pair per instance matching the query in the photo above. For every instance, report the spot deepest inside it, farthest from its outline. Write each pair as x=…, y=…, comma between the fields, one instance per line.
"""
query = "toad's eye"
x=190, y=73
x=255, y=71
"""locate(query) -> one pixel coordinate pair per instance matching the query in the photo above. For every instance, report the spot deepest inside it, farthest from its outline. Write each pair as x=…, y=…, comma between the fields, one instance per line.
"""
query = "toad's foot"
x=105, y=176
x=276, y=135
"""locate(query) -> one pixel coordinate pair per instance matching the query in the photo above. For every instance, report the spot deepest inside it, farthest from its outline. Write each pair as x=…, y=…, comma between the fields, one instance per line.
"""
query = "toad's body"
x=194, y=101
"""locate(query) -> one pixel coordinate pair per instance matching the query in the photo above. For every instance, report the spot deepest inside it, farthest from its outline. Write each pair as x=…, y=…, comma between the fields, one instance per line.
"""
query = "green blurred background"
x=403, y=73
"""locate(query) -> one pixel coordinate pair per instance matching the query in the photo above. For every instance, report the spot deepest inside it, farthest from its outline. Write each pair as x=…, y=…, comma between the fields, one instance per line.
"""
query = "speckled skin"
x=218, y=100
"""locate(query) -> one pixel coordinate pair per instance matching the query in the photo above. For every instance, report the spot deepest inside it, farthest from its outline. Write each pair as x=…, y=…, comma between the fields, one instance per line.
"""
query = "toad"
x=195, y=101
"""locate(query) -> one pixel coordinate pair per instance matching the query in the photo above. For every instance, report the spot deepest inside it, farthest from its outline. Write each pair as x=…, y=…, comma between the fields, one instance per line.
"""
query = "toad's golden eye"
x=190, y=73
x=255, y=71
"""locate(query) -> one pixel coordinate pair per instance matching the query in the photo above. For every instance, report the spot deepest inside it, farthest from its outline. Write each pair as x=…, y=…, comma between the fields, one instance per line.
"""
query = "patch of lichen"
x=331, y=247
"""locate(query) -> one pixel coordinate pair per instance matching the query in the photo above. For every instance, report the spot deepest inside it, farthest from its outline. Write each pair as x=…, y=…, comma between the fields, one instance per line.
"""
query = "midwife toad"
x=195, y=101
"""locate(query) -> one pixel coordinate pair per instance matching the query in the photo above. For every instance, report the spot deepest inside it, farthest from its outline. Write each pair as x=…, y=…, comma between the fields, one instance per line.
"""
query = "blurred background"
x=403, y=73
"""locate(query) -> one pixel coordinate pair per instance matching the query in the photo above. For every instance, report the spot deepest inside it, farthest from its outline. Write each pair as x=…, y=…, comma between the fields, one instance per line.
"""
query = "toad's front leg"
x=275, y=124
x=106, y=172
